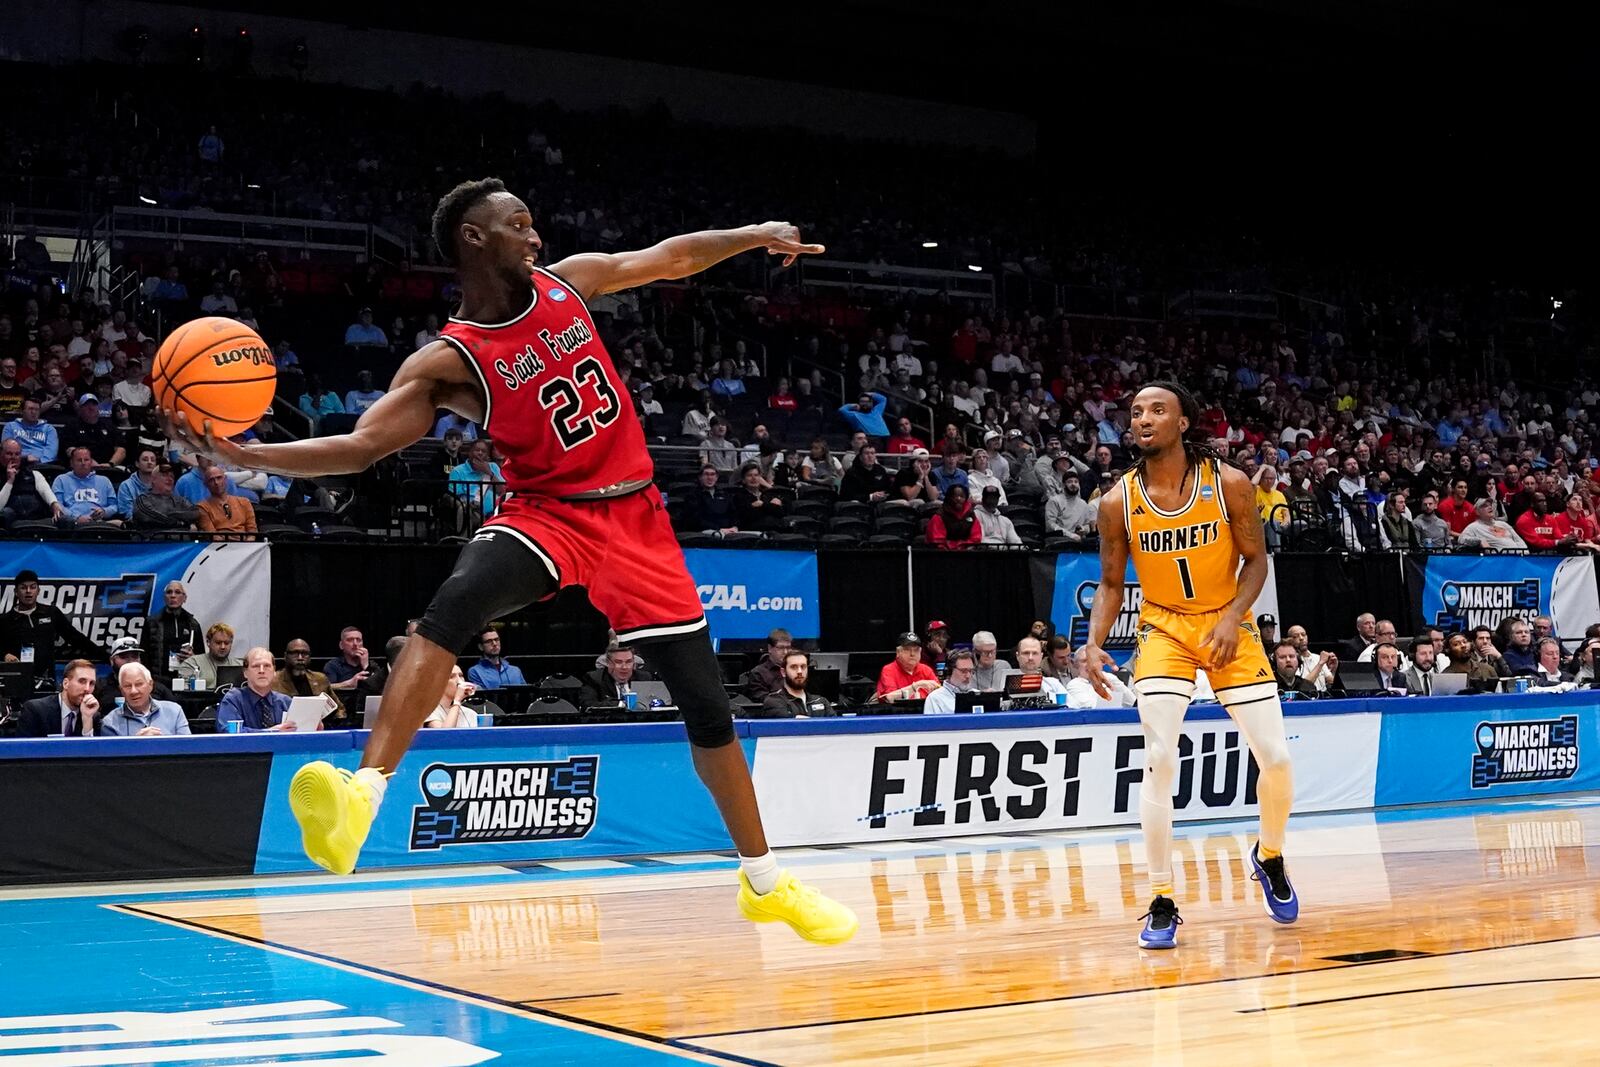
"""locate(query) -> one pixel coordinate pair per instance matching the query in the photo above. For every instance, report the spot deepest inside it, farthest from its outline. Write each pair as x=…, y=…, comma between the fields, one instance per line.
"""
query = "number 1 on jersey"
x=1184, y=576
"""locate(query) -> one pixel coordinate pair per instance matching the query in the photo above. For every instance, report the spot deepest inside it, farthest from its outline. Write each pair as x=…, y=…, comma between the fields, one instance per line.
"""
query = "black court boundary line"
x=1427, y=989
x=667, y=1044
x=1125, y=992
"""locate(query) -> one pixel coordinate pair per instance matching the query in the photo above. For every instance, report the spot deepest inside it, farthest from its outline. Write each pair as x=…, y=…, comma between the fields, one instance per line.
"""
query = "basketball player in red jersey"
x=522, y=358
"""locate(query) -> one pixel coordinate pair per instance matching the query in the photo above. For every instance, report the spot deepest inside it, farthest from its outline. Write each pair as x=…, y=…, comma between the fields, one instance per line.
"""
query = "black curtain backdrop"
x=865, y=594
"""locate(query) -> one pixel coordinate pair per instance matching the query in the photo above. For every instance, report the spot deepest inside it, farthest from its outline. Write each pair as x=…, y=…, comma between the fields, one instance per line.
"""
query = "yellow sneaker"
x=334, y=812
x=810, y=914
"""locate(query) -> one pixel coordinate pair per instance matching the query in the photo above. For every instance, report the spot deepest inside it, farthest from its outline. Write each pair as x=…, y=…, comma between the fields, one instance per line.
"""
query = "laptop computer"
x=970, y=703
x=1445, y=685
x=230, y=675
x=369, y=714
x=831, y=661
x=1359, y=678
x=824, y=682
x=652, y=691
x=16, y=681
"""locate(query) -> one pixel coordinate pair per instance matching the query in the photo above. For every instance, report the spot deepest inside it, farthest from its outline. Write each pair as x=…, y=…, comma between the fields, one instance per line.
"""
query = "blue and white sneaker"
x=1161, y=924
x=1282, y=903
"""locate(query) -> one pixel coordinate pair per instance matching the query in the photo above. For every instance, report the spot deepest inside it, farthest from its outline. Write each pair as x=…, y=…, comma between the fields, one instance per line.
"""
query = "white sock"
x=762, y=871
x=375, y=782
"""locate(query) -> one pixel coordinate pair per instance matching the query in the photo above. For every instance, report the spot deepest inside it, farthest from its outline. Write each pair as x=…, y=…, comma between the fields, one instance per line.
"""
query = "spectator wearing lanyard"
x=30, y=631
x=173, y=635
x=255, y=706
x=493, y=672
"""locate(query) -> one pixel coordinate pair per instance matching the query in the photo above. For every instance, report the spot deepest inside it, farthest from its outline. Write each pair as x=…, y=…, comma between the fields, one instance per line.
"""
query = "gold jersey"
x=1186, y=559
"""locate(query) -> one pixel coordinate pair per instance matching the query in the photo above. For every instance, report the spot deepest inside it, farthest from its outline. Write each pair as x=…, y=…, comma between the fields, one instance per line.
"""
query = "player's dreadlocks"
x=452, y=206
x=1197, y=448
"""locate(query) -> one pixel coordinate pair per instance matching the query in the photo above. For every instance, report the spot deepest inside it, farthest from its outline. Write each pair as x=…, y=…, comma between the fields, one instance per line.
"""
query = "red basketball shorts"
x=622, y=551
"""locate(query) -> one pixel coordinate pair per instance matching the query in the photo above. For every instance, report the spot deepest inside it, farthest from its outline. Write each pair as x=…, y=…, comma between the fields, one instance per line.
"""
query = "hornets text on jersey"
x=553, y=403
x=1186, y=559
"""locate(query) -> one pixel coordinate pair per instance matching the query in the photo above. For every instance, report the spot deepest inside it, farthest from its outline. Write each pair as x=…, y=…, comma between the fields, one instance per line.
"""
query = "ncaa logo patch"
x=1206, y=492
x=558, y=295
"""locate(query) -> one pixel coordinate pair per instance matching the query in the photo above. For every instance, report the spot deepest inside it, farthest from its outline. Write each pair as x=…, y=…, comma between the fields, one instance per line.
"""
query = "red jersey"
x=1584, y=524
x=552, y=400
x=1539, y=531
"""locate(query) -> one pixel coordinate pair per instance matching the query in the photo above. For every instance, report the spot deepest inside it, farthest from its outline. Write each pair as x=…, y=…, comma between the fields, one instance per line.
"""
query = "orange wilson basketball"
x=218, y=369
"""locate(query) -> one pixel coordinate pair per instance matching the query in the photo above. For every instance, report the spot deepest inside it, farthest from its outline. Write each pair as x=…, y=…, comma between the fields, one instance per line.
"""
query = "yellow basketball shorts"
x=1169, y=646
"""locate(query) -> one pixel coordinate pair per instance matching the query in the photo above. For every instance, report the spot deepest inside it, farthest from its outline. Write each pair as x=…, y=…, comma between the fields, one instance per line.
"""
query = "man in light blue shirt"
x=451, y=421
x=363, y=333
x=363, y=396
x=949, y=473
x=84, y=495
x=140, y=715
x=492, y=672
x=138, y=483
x=866, y=414
x=192, y=486
x=37, y=437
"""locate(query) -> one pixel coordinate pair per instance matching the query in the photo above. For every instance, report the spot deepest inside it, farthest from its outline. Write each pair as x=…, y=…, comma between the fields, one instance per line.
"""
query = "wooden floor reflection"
x=1462, y=939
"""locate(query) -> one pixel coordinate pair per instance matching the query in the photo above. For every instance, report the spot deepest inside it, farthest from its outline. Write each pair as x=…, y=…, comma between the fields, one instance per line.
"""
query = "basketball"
x=215, y=369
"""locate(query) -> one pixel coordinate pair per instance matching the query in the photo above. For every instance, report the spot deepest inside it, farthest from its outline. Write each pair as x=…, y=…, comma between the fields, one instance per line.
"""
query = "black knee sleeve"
x=495, y=574
x=689, y=667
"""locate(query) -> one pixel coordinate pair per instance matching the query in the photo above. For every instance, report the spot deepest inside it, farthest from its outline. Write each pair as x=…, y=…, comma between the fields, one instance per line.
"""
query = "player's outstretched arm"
x=1108, y=595
x=594, y=273
x=432, y=377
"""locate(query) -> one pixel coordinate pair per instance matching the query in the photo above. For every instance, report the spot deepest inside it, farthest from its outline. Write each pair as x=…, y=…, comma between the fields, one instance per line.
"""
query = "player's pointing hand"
x=783, y=239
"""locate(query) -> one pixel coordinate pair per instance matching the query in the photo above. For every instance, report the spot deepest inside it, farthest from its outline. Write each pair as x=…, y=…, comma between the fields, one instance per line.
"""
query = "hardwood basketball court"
x=1464, y=935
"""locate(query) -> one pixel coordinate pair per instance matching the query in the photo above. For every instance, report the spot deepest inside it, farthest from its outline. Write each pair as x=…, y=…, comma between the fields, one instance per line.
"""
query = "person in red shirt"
x=1538, y=527
x=903, y=441
x=1456, y=509
x=782, y=399
x=1578, y=523
x=906, y=677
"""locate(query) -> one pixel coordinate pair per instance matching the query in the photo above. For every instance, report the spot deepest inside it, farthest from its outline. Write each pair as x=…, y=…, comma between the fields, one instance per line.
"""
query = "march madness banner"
x=109, y=590
x=1077, y=576
x=1461, y=592
x=746, y=593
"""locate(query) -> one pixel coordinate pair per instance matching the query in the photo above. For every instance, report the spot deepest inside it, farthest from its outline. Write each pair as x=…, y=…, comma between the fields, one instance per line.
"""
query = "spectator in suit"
x=24, y=492
x=1366, y=636
x=297, y=679
x=451, y=713
x=350, y=668
x=141, y=715
x=1386, y=666
x=221, y=512
x=72, y=712
x=791, y=701
x=492, y=671
x=257, y=705
x=766, y=677
x=905, y=677
x=1419, y=679
x=32, y=629
x=171, y=635
x=126, y=650
x=218, y=653
x=606, y=687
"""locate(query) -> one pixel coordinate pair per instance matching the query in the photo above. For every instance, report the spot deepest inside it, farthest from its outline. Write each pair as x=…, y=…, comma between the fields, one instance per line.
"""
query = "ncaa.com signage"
x=874, y=787
x=748, y=593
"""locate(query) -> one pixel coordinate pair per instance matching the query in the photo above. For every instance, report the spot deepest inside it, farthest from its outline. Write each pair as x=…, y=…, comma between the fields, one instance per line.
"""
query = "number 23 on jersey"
x=581, y=403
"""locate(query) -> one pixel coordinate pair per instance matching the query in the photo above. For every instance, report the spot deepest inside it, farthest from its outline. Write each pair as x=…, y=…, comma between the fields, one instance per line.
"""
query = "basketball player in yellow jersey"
x=1187, y=519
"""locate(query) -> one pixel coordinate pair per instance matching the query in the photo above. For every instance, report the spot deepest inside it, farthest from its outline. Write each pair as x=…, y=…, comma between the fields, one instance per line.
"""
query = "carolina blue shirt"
x=945, y=480
x=80, y=496
x=39, y=441
x=727, y=387
x=164, y=715
x=315, y=409
x=868, y=422
x=469, y=485
x=358, y=334
x=356, y=401
x=1448, y=434
x=253, y=713
x=486, y=675
x=192, y=487
x=469, y=432
x=128, y=494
